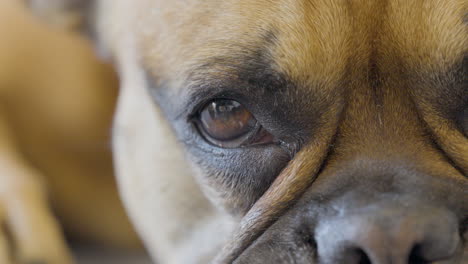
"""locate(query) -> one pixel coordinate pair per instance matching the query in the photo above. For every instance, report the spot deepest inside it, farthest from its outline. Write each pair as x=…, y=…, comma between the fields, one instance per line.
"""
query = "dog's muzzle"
x=372, y=213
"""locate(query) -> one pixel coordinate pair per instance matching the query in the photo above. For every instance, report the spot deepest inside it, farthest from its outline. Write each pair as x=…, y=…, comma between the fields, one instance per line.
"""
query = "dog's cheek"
x=235, y=181
x=156, y=184
x=215, y=192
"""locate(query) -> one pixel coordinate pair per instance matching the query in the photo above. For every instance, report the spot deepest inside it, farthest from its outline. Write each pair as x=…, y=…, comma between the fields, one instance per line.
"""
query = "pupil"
x=226, y=120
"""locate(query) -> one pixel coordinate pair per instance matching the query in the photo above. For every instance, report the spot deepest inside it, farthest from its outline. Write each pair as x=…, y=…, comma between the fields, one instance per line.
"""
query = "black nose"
x=388, y=236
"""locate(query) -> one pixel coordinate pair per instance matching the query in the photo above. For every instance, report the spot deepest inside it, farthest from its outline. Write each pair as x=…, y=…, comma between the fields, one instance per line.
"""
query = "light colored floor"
x=95, y=256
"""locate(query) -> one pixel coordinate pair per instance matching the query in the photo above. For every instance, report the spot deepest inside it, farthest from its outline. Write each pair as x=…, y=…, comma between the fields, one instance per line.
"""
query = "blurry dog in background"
x=56, y=104
x=318, y=131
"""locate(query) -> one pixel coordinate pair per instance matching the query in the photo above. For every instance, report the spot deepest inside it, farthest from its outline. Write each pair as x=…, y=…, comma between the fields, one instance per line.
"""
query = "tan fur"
x=169, y=43
x=332, y=49
x=56, y=103
x=444, y=43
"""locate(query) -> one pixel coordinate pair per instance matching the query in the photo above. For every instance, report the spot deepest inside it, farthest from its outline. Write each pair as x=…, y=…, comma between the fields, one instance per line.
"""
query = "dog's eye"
x=227, y=123
x=226, y=120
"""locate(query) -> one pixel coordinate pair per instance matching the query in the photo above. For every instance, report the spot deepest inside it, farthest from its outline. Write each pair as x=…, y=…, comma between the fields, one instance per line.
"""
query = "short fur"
x=365, y=96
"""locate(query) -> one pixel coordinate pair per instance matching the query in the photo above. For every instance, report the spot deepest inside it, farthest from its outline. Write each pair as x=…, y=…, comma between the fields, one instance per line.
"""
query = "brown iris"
x=225, y=121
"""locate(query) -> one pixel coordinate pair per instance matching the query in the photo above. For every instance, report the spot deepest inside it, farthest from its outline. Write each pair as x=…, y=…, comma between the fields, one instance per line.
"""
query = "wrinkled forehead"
x=309, y=40
x=293, y=37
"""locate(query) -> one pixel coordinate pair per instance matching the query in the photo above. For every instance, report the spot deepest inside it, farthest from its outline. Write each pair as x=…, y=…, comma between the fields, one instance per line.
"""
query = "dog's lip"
x=234, y=259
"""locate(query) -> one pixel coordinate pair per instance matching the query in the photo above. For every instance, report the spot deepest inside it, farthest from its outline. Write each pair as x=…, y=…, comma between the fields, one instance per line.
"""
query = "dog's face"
x=326, y=131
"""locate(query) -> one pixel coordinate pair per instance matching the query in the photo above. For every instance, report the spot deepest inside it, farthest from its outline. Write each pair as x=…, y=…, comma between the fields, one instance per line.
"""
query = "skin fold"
x=364, y=103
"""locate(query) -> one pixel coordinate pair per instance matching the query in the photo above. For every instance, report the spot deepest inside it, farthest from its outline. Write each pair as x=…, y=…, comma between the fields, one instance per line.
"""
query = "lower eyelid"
x=262, y=137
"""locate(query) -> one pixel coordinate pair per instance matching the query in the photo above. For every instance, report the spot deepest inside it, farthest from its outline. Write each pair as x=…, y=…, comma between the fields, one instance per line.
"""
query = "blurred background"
x=57, y=101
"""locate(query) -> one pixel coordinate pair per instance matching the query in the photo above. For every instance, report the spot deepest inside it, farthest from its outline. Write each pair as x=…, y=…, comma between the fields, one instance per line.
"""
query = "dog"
x=56, y=176
x=310, y=131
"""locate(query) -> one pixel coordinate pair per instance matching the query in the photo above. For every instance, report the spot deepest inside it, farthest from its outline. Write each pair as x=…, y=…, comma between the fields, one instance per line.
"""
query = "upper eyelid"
x=201, y=91
x=200, y=96
x=225, y=77
x=196, y=95
x=196, y=99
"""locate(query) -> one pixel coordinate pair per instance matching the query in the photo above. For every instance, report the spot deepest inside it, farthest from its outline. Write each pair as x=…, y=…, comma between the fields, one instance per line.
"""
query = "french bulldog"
x=308, y=131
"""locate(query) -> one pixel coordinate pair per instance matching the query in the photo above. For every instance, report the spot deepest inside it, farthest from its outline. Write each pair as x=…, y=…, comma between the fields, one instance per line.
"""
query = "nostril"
x=307, y=238
x=416, y=257
x=363, y=258
x=311, y=242
x=441, y=242
x=353, y=256
x=416, y=237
